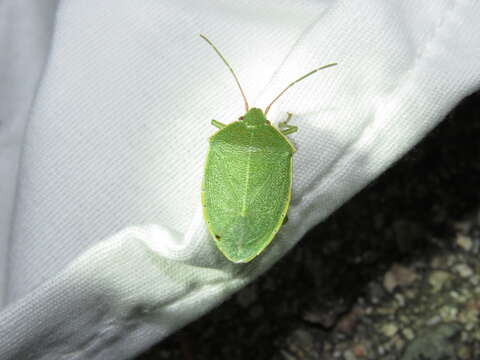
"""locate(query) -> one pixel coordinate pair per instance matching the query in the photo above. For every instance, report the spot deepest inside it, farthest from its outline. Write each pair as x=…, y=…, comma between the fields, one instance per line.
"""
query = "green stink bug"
x=247, y=183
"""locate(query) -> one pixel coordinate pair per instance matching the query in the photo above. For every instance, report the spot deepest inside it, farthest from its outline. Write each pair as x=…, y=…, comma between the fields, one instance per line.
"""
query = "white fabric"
x=25, y=32
x=107, y=251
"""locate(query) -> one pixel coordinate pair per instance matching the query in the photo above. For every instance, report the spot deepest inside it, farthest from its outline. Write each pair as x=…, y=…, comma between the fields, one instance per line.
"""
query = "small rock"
x=399, y=343
x=463, y=270
x=389, y=281
x=475, y=280
x=408, y=333
x=434, y=344
x=375, y=292
x=434, y=320
x=438, y=278
x=385, y=310
x=286, y=355
x=411, y=293
x=326, y=314
x=400, y=300
x=458, y=296
x=349, y=355
x=381, y=350
x=389, y=329
x=465, y=337
x=398, y=275
x=470, y=313
x=359, y=350
x=450, y=260
x=338, y=337
x=327, y=318
x=347, y=322
x=448, y=313
x=388, y=346
x=474, y=304
x=437, y=262
x=464, y=241
x=476, y=240
x=301, y=343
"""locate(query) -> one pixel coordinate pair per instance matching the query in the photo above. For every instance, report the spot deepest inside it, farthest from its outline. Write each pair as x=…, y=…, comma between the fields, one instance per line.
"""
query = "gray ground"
x=393, y=274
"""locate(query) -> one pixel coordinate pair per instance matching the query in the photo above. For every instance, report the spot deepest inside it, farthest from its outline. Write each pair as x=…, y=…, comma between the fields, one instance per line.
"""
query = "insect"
x=247, y=182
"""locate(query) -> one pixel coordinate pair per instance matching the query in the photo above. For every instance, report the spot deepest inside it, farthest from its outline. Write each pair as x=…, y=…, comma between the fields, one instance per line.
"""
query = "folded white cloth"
x=106, y=251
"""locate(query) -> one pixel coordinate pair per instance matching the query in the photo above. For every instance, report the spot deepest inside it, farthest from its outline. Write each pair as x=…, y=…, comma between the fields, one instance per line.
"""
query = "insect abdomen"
x=246, y=194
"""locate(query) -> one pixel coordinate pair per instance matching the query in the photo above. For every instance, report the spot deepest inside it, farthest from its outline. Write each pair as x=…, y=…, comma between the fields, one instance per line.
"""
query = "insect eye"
x=240, y=118
x=217, y=236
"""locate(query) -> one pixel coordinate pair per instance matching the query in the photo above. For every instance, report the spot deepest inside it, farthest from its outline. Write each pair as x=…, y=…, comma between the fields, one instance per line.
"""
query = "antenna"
x=296, y=81
x=229, y=68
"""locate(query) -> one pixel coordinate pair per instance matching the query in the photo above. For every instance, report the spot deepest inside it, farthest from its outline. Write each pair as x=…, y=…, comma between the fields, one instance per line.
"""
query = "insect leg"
x=218, y=124
x=285, y=128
